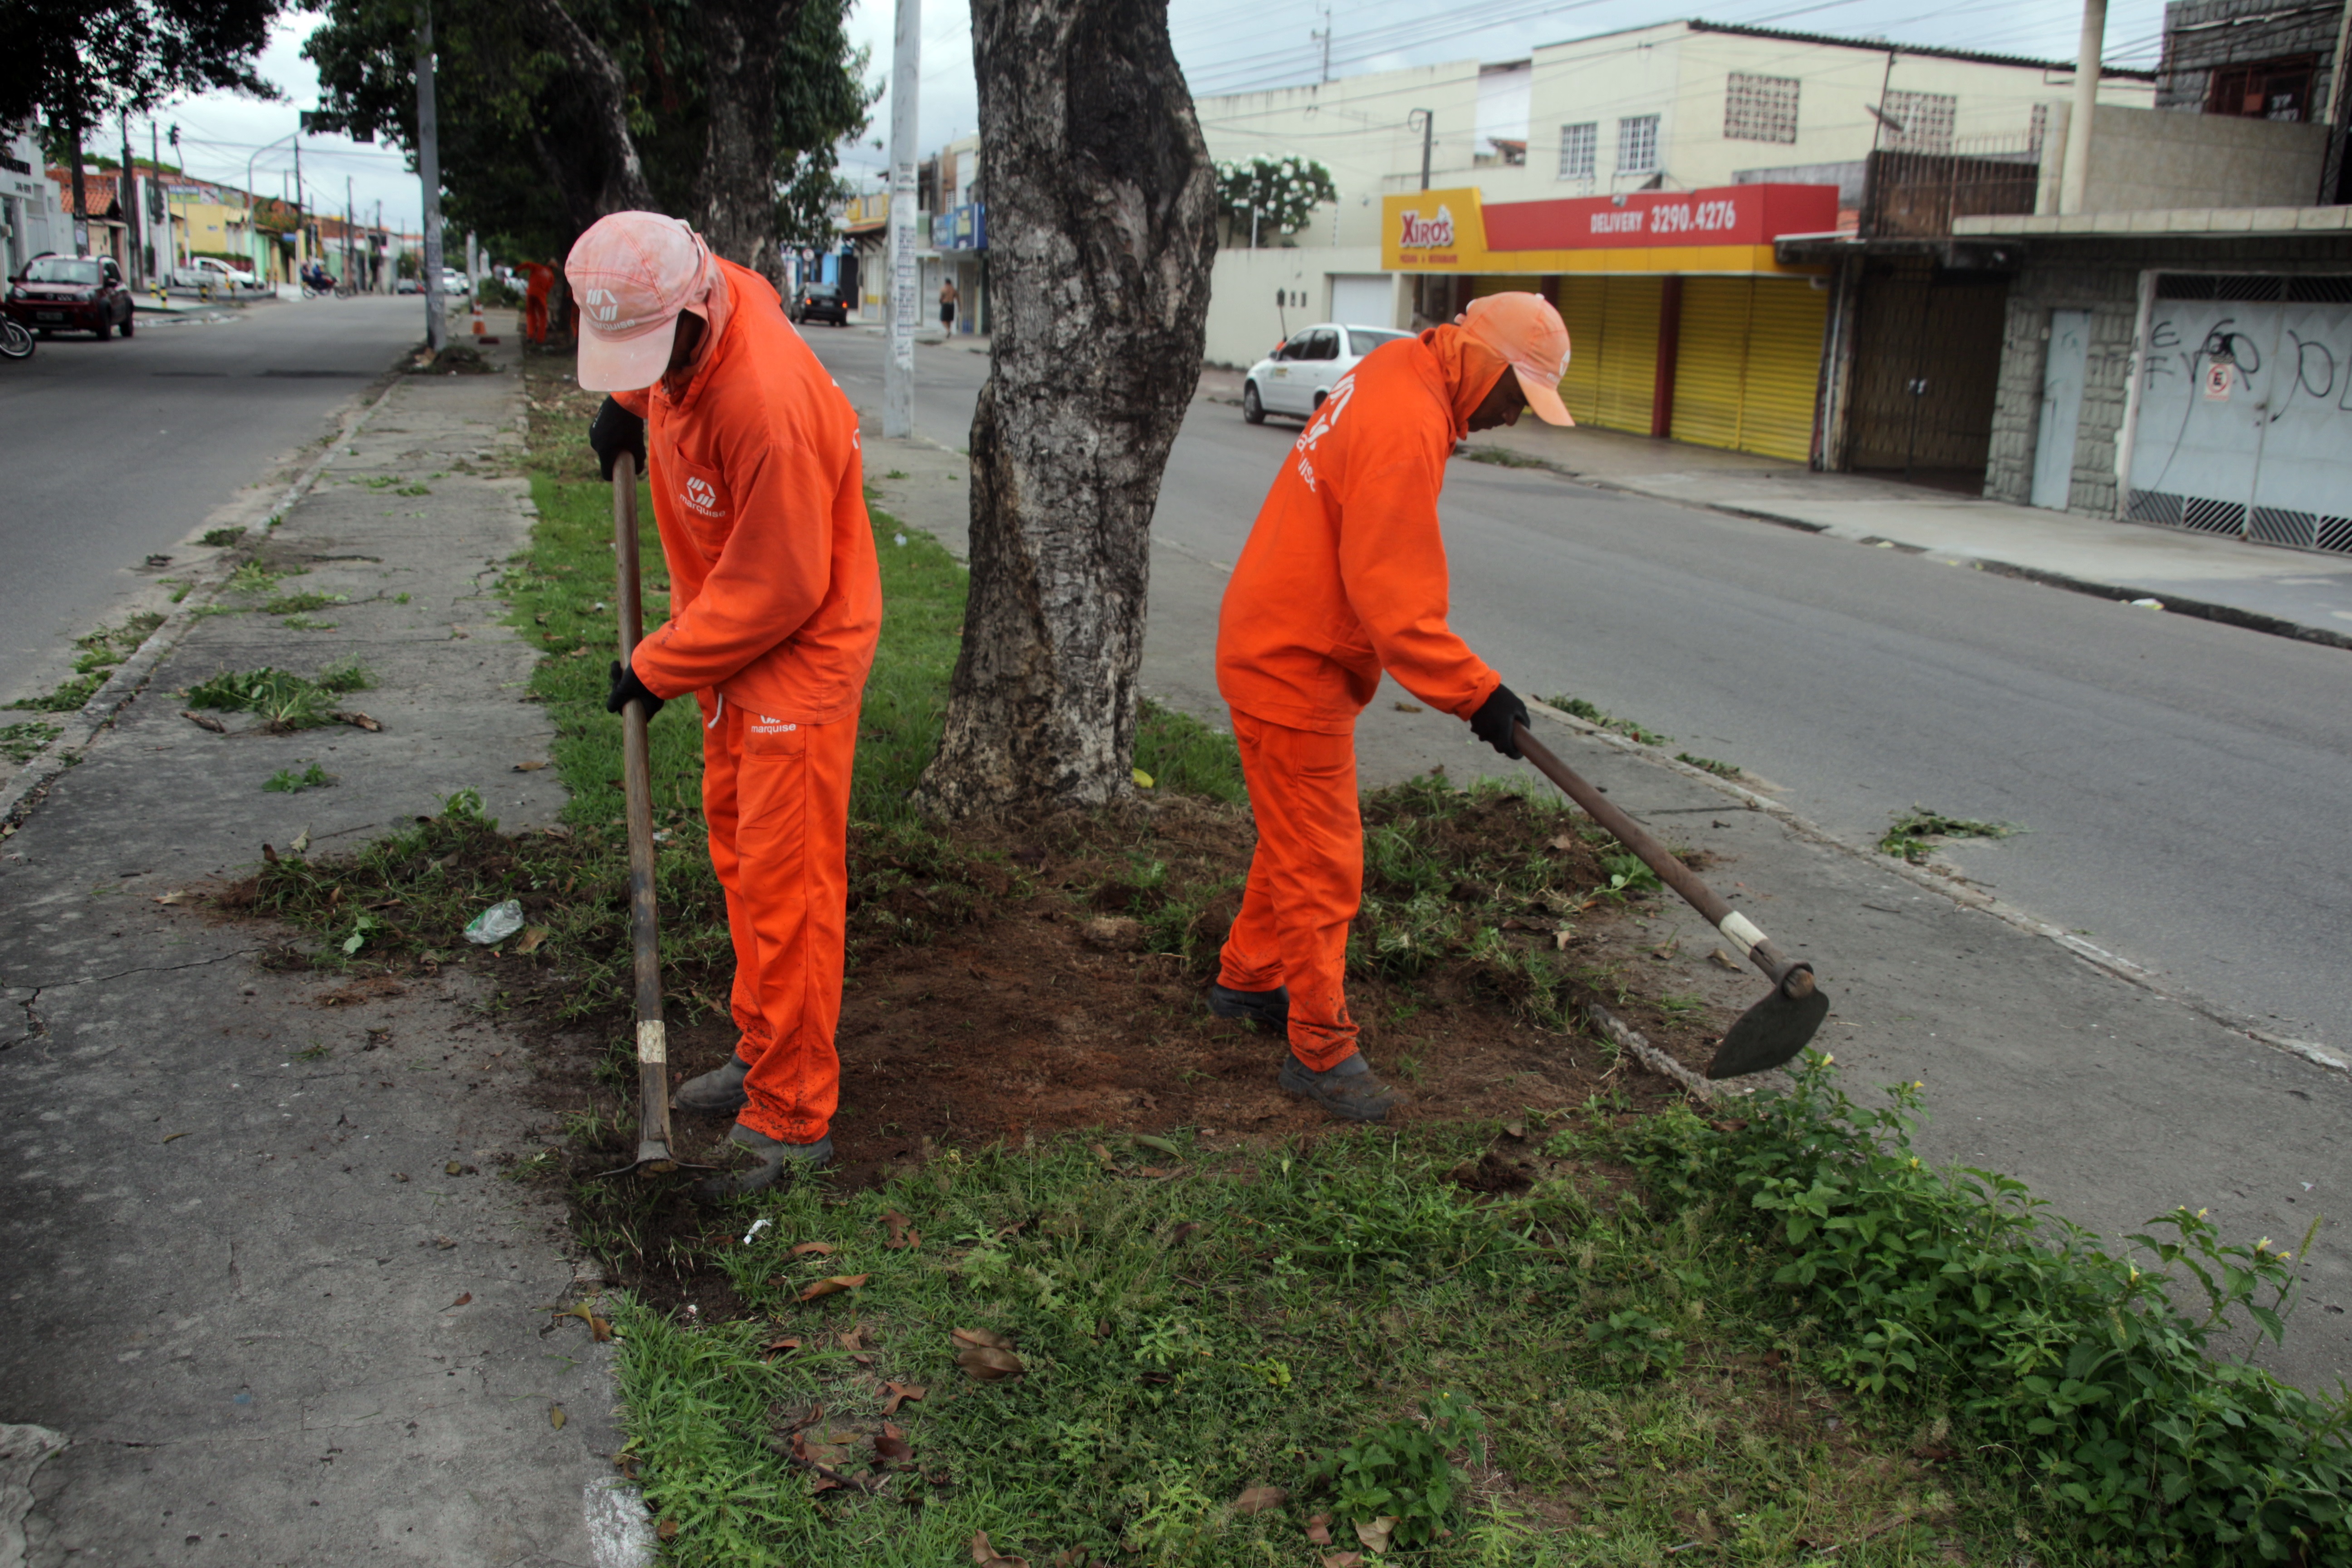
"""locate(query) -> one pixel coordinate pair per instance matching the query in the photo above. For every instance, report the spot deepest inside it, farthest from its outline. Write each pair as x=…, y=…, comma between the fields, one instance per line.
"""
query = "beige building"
x=1640, y=179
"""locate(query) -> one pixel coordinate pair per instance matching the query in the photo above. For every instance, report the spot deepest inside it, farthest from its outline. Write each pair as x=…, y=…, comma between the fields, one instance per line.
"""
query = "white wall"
x=2146, y=159
x=34, y=202
x=1245, y=323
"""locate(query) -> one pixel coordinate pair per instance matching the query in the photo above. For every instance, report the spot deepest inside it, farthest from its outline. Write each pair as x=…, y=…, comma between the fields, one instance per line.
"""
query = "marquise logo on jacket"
x=703, y=497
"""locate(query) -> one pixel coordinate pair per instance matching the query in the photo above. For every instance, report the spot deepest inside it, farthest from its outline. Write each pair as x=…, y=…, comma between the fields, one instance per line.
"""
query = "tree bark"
x=624, y=188
x=741, y=41
x=1102, y=208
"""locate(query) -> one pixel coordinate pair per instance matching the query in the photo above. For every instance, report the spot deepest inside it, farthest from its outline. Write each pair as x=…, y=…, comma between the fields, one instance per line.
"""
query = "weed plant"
x=1594, y=715
x=286, y=781
x=284, y=700
x=1912, y=836
x=20, y=744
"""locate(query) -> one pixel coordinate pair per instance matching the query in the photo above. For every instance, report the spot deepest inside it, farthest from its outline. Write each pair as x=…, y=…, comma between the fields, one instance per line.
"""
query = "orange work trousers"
x=534, y=317
x=1306, y=881
x=776, y=798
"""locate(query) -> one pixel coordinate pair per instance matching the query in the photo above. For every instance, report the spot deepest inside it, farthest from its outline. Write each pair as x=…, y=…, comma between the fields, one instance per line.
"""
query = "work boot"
x=716, y=1093
x=1269, y=1008
x=776, y=1158
x=1349, y=1089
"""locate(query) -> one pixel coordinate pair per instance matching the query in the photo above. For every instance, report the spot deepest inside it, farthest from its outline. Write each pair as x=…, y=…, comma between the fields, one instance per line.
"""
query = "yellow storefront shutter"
x=1629, y=366
x=1784, y=363
x=1580, y=309
x=1711, y=360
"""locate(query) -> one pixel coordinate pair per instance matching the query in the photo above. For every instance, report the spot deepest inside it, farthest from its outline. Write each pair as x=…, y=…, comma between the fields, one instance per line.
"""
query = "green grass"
x=20, y=744
x=1504, y=458
x=1914, y=834
x=283, y=700
x=67, y=697
x=302, y=603
x=1709, y=765
x=286, y=781
x=219, y=538
x=1593, y=715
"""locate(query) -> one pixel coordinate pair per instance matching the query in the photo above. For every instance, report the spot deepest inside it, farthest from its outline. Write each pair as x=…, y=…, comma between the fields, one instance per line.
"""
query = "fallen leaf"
x=529, y=767
x=1516, y=1129
x=900, y=1393
x=203, y=722
x=301, y=845
x=176, y=895
x=853, y=1338
x=268, y=854
x=555, y=1416
x=532, y=937
x=1666, y=949
x=780, y=1344
x=1318, y=1529
x=1410, y=708
x=893, y=1449
x=865, y=1361
x=832, y=1283
x=598, y=1329
x=1560, y=939
x=169, y=1136
x=667, y=1529
x=460, y=1300
x=1343, y=1560
x=902, y=1233
x=987, y=1356
x=361, y=721
x=1722, y=959
x=815, y=1249
x=454, y=1168
x=1099, y=1152
x=983, y=1555
x=1165, y=1147
x=1566, y=841
x=1375, y=1533
x=1259, y=1499
x=989, y=1337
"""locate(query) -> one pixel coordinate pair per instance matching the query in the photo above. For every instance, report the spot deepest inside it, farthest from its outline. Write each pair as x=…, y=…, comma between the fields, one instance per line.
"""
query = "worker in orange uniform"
x=534, y=300
x=1344, y=577
x=775, y=606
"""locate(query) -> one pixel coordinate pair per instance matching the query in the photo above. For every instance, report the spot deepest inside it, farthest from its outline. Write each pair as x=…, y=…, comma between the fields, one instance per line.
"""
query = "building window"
x=1918, y=122
x=1637, y=144
x=1759, y=107
x=2275, y=89
x=1578, y=145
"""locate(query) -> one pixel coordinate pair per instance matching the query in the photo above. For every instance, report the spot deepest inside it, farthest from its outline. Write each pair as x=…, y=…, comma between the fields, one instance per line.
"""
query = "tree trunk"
x=607, y=92
x=1101, y=214
x=741, y=41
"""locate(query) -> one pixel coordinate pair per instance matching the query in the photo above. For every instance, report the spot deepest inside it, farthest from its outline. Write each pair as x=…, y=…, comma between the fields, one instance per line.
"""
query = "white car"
x=454, y=281
x=1298, y=374
x=211, y=269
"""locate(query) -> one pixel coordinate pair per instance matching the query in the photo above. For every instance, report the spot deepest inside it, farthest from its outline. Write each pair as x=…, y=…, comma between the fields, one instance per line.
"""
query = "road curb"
x=22, y=795
x=1957, y=892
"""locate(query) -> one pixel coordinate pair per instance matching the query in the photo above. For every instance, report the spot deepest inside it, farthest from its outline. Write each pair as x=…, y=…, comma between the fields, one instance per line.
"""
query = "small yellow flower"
x=1914, y=1162
x=2201, y=1214
x=1827, y=1058
x=1918, y=1083
x=2284, y=1255
x=2263, y=1245
x=2134, y=1276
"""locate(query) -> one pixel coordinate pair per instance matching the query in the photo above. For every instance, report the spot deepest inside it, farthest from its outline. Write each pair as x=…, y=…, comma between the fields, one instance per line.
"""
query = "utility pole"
x=350, y=281
x=158, y=207
x=302, y=228
x=2074, y=172
x=906, y=83
x=1323, y=36
x=428, y=175
x=1428, y=121
x=126, y=197
x=379, y=253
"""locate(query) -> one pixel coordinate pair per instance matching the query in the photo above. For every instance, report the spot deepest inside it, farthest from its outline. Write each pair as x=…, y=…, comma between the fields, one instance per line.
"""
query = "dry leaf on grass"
x=892, y=1448
x=531, y=938
x=1148, y=1141
x=815, y=1249
x=1722, y=959
x=900, y=1393
x=1318, y=1529
x=1343, y=1560
x=902, y=1233
x=781, y=1344
x=1666, y=949
x=985, y=1555
x=1260, y=1499
x=854, y=1338
x=832, y=1283
x=1375, y=1533
x=598, y=1328
x=667, y=1529
x=986, y=1355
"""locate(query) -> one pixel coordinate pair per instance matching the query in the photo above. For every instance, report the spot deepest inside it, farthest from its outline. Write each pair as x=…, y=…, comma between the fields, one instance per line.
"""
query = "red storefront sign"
x=1726, y=214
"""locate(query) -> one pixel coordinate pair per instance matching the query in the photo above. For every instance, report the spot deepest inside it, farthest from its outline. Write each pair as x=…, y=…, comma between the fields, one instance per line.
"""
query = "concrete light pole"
x=2075, y=170
x=900, y=310
x=428, y=175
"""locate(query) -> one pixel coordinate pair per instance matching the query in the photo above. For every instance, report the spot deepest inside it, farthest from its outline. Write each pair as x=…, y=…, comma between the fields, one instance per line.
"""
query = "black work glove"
x=615, y=431
x=626, y=685
x=1497, y=720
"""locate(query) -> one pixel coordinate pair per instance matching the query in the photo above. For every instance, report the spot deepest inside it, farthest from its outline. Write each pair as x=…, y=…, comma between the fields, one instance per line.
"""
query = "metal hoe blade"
x=1770, y=1034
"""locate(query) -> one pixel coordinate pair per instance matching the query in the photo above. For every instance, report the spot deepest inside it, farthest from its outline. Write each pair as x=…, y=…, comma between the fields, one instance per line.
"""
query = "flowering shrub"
x=1280, y=193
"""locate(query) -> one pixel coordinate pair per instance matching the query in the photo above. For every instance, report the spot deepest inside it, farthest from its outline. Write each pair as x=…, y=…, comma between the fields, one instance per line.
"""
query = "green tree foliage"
x=1271, y=197
x=553, y=112
x=77, y=62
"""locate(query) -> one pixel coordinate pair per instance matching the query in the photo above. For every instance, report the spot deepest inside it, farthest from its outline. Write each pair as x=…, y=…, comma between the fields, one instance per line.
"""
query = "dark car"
x=70, y=293
x=822, y=303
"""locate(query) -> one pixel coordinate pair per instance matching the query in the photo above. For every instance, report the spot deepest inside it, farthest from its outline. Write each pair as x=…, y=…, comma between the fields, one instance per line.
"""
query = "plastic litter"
x=2147, y=604
x=495, y=924
x=898, y=538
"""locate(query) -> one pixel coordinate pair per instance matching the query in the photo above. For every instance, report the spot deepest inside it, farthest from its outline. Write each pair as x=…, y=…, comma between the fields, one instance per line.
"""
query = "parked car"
x=70, y=293
x=454, y=282
x=1300, y=374
x=821, y=302
x=212, y=270
x=408, y=286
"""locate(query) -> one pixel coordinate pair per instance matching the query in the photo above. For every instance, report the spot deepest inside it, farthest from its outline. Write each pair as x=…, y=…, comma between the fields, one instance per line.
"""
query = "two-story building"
x=1642, y=180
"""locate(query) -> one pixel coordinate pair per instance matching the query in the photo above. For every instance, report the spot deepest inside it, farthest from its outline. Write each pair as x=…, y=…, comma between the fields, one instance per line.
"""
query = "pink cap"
x=1525, y=330
x=632, y=273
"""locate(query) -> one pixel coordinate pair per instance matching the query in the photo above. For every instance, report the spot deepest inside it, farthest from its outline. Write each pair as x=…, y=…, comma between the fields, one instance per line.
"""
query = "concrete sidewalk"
x=263, y=1273
x=2043, y=1057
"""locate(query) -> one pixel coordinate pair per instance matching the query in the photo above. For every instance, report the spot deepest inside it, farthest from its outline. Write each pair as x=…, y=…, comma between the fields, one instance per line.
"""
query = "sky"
x=1225, y=45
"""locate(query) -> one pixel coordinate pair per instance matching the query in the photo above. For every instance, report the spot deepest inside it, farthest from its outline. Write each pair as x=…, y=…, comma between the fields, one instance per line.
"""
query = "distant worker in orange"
x=534, y=300
x=775, y=604
x=1344, y=576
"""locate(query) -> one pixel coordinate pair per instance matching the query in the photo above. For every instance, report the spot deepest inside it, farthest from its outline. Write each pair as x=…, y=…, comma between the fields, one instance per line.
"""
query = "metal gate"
x=2245, y=409
x=1926, y=370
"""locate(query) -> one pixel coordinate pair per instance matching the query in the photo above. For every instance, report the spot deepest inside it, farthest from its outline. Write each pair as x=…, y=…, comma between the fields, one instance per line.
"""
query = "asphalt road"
x=2181, y=784
x=116, y=450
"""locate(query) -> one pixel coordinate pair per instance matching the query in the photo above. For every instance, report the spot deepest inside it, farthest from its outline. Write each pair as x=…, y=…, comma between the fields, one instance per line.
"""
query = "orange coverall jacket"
x=1344, y=573
x=781, y=615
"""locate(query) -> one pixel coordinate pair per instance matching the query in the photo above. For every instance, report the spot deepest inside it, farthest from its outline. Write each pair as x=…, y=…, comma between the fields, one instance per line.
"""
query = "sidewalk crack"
x=144, y=969
x=34, y=1028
